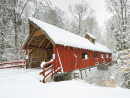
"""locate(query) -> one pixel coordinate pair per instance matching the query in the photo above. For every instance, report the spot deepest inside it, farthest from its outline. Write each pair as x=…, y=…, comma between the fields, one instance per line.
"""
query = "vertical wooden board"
x=101, y=60
x=57, y=64
x=94, y=60
x=104, y=57
x=45, y=54
x=88, y=58
x=82, y=61
x=65, y=57
x=62, y=57
x=49, y=53
x=68, y=58
x=80, y=57
x=91, y=58
x=55, y=60
x=99, y=57
x=109, y=57
x=72, y=59
x=76, y=59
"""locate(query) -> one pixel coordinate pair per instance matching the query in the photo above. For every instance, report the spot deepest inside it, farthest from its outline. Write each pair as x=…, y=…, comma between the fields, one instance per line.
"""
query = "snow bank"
x=63, y=37
x=23, y=83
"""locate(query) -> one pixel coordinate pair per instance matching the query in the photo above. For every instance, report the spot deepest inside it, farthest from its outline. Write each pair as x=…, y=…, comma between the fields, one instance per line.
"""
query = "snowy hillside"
x=24, y=83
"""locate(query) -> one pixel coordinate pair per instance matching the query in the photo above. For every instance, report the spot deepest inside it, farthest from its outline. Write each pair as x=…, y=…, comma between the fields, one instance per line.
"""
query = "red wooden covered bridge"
x=68, y=51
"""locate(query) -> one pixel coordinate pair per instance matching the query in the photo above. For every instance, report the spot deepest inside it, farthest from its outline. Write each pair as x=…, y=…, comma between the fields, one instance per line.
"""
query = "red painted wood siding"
x=71, y=58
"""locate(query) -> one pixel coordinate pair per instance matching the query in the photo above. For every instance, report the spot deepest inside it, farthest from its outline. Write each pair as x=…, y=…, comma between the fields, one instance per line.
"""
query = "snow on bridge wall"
x=69, y=58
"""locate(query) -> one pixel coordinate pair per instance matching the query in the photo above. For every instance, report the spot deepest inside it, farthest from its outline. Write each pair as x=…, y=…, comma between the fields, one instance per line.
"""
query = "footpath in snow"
x=24, y=83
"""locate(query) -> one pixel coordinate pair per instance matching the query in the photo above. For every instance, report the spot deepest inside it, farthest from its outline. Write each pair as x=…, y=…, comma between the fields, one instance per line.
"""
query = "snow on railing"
x=46, y=73
x=9, y=64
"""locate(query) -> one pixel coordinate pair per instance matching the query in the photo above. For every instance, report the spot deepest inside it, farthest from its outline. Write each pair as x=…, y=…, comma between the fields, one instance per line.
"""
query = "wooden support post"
x=26, y=57
x=44, y=76
x=85, y=72
x=81, y=74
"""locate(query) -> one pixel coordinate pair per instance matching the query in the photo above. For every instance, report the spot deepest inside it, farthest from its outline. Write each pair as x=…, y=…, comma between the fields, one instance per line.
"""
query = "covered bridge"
x=68, y=51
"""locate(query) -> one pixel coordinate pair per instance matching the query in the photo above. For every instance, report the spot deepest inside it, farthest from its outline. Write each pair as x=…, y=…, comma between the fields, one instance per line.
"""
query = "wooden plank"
x=36, y=48
x=38, y=37
x=30, y=51
x=13, y=62
x=36, y=43
x=42, y=41
x=13, y=66
x=33, y=41
x=48, y=44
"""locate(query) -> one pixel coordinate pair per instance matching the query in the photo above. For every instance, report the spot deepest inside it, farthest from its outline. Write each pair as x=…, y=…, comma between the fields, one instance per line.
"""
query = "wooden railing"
x=19, y=64
x=45, y=70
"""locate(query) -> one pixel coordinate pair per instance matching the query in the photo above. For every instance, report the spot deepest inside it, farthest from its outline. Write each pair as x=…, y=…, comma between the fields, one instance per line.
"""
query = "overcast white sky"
x=98, y=5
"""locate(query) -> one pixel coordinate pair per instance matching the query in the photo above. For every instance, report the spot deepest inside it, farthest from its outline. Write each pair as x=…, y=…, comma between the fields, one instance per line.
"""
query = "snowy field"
x=24, y=83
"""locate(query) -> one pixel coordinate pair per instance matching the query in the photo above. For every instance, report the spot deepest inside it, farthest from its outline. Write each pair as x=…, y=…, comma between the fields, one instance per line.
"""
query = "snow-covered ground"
x=24, y=83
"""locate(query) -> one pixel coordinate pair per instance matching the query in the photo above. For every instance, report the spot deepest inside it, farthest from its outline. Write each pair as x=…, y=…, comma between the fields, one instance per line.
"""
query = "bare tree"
x=47, y=12
x=80, y=12
x=18, y=9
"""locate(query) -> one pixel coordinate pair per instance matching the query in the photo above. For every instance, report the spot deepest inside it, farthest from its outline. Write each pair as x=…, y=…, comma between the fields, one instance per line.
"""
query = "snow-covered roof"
x=63, y=37
x=91, y=35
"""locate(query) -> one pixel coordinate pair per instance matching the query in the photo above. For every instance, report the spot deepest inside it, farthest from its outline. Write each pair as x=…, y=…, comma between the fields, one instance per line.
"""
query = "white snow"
x=24, y=83
x=43, y=63
x=63, y=37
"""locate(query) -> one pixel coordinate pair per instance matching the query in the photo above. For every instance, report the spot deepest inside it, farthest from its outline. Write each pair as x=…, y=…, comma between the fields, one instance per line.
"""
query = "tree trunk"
x=16, y=37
